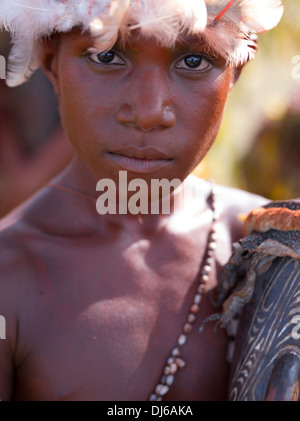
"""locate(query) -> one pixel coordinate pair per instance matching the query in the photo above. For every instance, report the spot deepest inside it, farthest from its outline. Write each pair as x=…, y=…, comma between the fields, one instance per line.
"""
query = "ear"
x=236, y=72
x=48, y=55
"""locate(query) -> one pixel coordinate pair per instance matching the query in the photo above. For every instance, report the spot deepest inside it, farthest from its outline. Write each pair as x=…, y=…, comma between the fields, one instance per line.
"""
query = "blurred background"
x=257, y=149
x=33, y=148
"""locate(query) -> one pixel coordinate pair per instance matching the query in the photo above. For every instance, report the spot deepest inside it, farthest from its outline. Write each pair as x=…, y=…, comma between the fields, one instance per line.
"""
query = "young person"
x=108, y=306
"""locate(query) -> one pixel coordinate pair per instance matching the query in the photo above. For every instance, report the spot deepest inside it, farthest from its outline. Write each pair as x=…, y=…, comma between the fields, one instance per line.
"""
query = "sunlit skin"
x=94, y=304
x=146, y=97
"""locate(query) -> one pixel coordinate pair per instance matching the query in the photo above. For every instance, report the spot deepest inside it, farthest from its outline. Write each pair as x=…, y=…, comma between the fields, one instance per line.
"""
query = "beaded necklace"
x=175, y=362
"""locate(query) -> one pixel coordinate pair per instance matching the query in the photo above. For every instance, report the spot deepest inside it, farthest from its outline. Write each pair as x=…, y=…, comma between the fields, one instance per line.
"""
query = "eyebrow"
x=198, y=44
x=185, y=43
x=82, y=33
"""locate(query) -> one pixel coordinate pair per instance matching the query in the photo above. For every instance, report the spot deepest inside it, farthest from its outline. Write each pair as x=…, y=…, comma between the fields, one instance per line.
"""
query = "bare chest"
x=105, y=331
x=118, y=351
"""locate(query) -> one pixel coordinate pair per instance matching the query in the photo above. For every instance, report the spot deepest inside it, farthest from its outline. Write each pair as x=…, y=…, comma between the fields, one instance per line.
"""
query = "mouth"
x=140, y=160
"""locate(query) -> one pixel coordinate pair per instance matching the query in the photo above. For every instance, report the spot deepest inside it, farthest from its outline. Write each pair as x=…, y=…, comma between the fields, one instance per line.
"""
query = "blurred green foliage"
x=258, y=147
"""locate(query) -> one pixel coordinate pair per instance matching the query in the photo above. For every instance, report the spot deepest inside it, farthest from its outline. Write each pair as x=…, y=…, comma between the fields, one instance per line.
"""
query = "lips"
x=147, y=153
x=140, y=160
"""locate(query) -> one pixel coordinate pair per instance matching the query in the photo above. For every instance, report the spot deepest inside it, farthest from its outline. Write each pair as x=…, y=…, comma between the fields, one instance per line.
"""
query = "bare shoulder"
x=16, y=287
x=31, y=238
x=19, y=238
x=33, y=243
x=16, y=236
x=231, y=204
x=235, y=203
x=233, y=200
x=229, y=199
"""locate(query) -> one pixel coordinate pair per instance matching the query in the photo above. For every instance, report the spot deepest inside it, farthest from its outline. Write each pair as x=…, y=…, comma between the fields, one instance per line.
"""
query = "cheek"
x=209, y=105
x=83, y=112
x=73, y=105
x=203, y=115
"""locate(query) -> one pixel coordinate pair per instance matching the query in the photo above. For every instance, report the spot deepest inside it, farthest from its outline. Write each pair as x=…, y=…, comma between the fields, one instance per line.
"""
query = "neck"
x=77, y=179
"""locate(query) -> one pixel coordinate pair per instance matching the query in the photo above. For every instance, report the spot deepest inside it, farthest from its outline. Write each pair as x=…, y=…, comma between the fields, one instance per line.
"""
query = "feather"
x=250, y=15
x=223, y=23
x=23, y=62
x=106, y=27
x=167, y=20
x=31, y=20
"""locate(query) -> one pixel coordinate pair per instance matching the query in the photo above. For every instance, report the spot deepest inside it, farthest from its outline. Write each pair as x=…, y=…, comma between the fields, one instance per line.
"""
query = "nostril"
x=125, y=114
x=169, y=117
x=146, y=117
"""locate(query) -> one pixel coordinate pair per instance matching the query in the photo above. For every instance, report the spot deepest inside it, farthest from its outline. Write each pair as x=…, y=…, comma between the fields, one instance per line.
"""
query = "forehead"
x=139, y=42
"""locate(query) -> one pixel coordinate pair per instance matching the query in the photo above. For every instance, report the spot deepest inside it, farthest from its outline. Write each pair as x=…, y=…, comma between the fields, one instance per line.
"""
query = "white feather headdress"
x=227, y=25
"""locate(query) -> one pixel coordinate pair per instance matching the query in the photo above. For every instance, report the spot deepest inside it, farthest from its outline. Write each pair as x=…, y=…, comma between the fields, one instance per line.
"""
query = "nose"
x=148, y=102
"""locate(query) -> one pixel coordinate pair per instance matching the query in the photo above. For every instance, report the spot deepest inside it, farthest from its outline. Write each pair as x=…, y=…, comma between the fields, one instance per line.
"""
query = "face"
x=141, y=107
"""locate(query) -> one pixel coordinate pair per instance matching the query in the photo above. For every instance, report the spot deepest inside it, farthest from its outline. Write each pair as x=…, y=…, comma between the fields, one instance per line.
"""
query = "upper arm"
x=12, y=275
x=236, y=205
x=6, y=363
x=7, y=336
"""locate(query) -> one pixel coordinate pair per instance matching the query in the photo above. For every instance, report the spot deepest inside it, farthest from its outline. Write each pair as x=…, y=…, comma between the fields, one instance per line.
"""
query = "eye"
x=194, y=62
x=107, y=57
